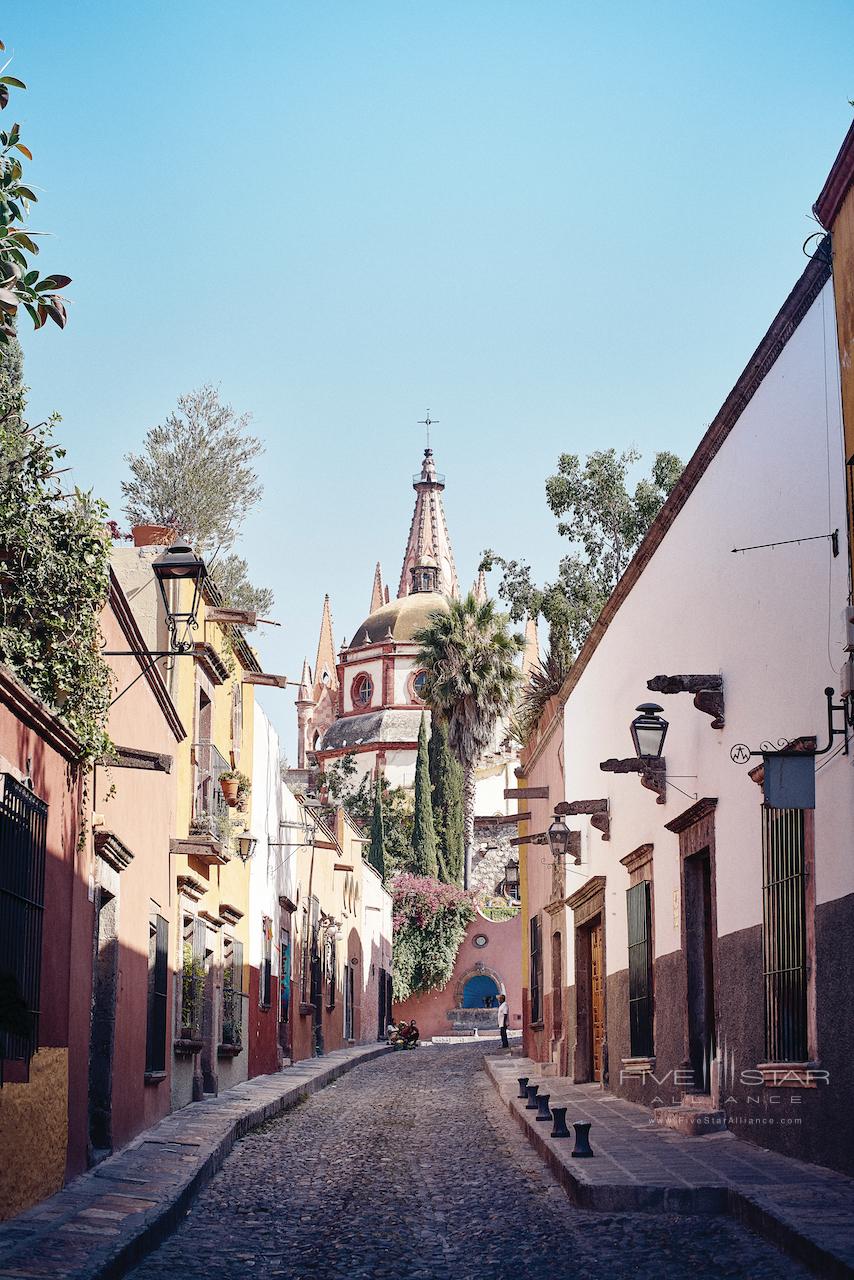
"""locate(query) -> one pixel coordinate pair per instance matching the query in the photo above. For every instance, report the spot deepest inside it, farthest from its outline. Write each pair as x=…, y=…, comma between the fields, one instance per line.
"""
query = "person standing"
x=503, y=1016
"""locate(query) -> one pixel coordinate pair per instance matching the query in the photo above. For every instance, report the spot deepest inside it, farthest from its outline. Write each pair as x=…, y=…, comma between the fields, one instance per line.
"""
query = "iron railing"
x=23, y=839
x=784, y=934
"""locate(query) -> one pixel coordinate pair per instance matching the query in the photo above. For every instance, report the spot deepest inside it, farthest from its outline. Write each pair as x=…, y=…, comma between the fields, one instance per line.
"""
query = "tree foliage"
x=605, y=521
x=231, y=575
x=446, y=776
x=54, y=571
x=358, y=799
x=469, y=654
x=429, y=921
x=20, y=283
x=376, y=852
x=424, y=861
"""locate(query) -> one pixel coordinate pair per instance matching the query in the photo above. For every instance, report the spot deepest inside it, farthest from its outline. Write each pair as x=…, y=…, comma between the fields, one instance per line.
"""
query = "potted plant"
x=235, y=787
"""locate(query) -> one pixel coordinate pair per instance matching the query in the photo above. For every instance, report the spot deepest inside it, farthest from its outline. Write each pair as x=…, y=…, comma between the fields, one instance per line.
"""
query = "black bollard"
x=582, y=1141
x=543, y=1104
x=523, y=1080
x=559, y=1130
x=532, y=1090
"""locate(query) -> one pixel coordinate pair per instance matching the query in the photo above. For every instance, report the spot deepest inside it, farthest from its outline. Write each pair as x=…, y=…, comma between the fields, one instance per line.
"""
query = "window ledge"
x=306, y=1009
x=155, y=1077
x=791, y=1075
x=637, y=1066
x=228, y=1050
x=185, y=1047
x=539, y=1025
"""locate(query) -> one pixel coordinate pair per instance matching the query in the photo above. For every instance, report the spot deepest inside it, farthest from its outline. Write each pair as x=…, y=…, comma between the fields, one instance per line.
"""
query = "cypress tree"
x=447, y=779
x=376, y=853
x=424, y=860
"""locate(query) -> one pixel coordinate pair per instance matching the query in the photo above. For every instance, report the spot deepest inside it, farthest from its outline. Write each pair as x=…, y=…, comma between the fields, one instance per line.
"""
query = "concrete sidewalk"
x=802, y=1208
x=101, y=1224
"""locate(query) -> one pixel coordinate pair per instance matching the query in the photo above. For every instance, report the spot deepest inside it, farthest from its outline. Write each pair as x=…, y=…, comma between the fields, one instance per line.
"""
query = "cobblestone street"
x=411, y=1167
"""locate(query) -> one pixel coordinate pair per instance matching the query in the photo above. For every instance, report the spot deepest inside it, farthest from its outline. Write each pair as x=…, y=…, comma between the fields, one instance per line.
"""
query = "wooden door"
x=597, y=996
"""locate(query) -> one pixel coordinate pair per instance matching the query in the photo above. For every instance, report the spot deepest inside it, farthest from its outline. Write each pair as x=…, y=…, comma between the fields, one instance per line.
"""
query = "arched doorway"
x=480, y=992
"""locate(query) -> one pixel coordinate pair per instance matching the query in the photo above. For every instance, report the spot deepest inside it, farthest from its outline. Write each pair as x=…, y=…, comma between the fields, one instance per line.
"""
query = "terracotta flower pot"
x=152, y=535
x=229, y=790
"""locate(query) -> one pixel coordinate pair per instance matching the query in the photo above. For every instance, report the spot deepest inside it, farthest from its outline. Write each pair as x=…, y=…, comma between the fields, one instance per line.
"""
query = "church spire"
x=478, y=589
x=325, y=672
x=377, y=597
x=531, y=651
x=429, y=542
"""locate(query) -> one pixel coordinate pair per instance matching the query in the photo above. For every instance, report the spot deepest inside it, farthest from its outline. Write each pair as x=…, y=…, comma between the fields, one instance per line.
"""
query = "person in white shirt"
x=503, y=1016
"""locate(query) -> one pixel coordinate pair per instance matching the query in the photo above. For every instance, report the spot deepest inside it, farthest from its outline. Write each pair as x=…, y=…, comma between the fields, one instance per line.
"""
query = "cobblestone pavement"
x=410, y=1167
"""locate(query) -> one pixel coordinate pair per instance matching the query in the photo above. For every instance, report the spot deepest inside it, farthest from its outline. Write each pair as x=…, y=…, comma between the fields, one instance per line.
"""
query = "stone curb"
x=37, y=1235
x=751, y=1207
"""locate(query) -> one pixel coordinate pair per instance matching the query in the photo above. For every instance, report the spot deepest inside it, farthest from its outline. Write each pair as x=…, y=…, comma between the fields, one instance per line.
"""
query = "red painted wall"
x=501, y=958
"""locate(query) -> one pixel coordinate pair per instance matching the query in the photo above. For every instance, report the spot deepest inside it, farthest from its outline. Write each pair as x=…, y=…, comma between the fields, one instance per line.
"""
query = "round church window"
x=419, y=685
x=480, y=939
x=363, y=690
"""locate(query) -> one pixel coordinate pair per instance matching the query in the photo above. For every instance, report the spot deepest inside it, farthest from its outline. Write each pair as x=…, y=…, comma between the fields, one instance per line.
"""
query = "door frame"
x=696, y=830
x=588, y=908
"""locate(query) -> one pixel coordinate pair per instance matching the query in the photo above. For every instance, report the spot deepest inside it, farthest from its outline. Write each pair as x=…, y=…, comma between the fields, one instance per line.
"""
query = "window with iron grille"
x=331, y=972
x=640, y=969
x=265, y=993
x=305, y=960
x=784, y=934
x=23, y=837
x=158, y=979
x=536, y=975
x=232, y=993
x=192, y=978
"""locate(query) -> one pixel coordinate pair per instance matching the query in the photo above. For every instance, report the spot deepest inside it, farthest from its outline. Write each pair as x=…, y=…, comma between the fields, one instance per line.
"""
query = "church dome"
x=403, y=617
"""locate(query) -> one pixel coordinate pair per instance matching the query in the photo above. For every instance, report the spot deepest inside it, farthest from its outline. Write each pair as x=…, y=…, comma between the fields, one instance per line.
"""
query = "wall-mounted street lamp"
x=559, y=837
x=246, y=843
x=511, y=877
x=649, y=729
x=179, y=563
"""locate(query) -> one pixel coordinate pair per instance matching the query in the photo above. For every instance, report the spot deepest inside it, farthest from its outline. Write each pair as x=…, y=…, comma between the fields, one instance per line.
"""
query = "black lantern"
x=511, y=878
x=246, y=843
x=179, y=563
x=559, y=835
x=649, y=729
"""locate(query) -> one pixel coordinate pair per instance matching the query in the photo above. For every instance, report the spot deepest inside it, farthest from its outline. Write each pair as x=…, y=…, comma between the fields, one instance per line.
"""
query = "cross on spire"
x=427, y=422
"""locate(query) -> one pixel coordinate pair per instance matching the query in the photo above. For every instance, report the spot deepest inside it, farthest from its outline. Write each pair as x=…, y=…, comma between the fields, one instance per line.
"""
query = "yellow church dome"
x=403, y=617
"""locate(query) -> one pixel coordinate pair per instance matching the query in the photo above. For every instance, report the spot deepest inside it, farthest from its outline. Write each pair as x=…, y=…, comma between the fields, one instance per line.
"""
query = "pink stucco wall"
x=500, y=959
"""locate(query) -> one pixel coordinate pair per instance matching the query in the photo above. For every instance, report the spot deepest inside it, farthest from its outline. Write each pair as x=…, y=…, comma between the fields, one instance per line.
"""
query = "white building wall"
x=768, y=620
x=274, y=863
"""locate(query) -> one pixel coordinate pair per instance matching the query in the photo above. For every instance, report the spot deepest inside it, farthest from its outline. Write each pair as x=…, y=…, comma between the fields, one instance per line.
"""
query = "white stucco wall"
x=274, y=863
x=768, y=620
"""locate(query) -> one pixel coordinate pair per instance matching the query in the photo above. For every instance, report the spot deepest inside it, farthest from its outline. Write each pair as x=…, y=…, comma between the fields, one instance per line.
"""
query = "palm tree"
x=469, y=654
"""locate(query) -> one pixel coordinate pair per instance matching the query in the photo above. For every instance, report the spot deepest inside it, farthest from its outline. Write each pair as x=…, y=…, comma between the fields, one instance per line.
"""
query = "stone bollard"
x=559, y=1130
x=543, y=1104
x=532, y=1090
x=523, y=1080
x=582, y=1146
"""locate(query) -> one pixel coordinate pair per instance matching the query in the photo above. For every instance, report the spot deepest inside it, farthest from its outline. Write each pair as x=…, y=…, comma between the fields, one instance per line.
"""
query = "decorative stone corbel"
x=652, y=773
x=708, y=693
x=600, y=816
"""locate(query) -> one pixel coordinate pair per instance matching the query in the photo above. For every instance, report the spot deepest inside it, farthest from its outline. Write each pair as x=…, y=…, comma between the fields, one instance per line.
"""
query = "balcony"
x=209, y=839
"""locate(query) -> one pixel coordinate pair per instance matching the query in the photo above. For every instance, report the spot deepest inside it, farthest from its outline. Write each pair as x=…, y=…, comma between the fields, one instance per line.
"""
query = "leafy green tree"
x=54, y=570
x=358, y=799
x=20, y=283
x=605, y=521
x=196, y=474
x=376, y=854
x=447, y=779
x=424, y=861
x=469, y=654
x=231, y=575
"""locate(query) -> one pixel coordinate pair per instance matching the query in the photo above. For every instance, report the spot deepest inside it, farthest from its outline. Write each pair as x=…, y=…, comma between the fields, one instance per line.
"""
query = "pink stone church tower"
x=369, y=703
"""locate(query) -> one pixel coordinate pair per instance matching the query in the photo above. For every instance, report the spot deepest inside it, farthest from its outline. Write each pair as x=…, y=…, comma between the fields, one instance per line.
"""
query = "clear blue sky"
x=557, y=226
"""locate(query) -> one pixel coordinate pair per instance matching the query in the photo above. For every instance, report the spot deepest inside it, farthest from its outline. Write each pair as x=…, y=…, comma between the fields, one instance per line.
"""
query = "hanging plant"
x=429, y=923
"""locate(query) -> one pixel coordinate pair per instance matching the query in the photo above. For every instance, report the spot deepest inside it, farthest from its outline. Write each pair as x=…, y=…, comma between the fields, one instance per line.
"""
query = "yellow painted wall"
x=34, y=1120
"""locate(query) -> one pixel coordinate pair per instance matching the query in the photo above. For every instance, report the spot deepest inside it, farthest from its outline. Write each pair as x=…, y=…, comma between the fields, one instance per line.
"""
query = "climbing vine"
x=54, y=577
x=429, y=923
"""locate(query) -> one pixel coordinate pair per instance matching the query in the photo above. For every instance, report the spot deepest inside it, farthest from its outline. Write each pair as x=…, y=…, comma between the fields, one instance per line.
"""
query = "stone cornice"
x=38, y=716
x=838, y=184
x=693, y=815
x=111, y=849
x=638, y=858
x=593, y=887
